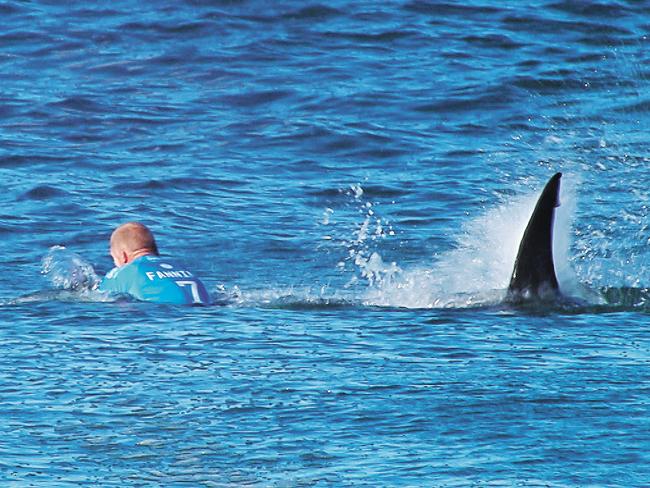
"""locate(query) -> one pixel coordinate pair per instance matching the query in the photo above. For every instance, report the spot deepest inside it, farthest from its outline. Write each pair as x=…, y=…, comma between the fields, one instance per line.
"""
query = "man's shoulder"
x=112, y=273
x=117, y=279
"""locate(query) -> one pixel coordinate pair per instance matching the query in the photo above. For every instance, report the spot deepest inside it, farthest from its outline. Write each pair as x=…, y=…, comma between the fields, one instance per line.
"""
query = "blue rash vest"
x=155, y=279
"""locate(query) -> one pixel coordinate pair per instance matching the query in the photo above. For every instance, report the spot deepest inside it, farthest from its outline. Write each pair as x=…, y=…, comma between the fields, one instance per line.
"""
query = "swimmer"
x=141, y=272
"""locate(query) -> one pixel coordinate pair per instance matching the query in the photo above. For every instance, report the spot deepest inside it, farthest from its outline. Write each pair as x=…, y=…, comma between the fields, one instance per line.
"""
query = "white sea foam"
x=477, y=271
x=66, y=270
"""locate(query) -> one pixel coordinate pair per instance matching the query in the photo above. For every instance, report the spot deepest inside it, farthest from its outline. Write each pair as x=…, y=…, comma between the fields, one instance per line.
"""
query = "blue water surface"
x=351, y=181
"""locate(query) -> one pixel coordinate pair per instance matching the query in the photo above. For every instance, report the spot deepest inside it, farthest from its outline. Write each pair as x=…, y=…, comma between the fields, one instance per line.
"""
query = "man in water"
x=141, y=272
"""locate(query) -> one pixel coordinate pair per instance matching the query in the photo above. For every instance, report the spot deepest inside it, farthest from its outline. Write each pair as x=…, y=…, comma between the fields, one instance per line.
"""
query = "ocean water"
x=351, y=181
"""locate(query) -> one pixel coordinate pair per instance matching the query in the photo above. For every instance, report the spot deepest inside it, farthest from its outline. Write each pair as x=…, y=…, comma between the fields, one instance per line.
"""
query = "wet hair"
x=134, y=236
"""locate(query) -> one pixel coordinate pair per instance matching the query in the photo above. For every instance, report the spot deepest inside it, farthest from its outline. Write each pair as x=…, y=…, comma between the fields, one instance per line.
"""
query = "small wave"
x=492, y=98
x=438, y=9
x=605, y=41
x=22, y=36
x=314, y=13
x=42, y=192
x=169, y=29
x=380, y=38
x=178, y=183
x=70, y=296
x=7, y=9
x=639, y=107
x=28, y=159
x=564, y=82
x=558, y=26
x=256, y=98
x=79, y=104
x=93, y=13
x=9, y=229
x=609, y=10
x=493, y=41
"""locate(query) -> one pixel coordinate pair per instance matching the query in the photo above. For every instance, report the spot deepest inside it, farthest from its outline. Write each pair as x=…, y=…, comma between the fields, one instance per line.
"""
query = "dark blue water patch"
x=378, y=153
x=441, y=9
x=43, y=192
x=25, y=41
x=165, y=148
x=179, y=57
x=265, y=52
x=222, y=72
x=471, y=99
x=80, y=103
x=8, y=228
x=542, y=25
x=611, y=34
x=61, y=52
x=603, y=40
x=458, y=55
x=10, y=9
x=83, y=138
x=318, y=139
x=379, y=40
x=567, y=28
x=638, y=107
x=169, y=30
x=9, y=107
x=182, y=184
x=463, y=153
x=13, y=218
x=255, y=99
x=102, y=39
x=314, y=13
x=94, y=13
x=237, y=23
x=473, y=129
x=493, y=41
x=15, y=161
x=558, y=83
x=592, y=9
x=373, y=103
x=45, y=233
x=140, y=121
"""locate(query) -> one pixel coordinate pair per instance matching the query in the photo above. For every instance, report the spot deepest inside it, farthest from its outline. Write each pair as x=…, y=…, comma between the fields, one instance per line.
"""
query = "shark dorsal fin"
x=533, y=276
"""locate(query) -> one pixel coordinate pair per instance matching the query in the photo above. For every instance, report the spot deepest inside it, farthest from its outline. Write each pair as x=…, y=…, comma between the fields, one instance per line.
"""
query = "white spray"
x=477, y=271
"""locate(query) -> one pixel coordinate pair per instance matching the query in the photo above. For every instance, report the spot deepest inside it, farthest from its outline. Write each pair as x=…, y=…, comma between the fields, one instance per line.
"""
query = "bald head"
x=130, y=241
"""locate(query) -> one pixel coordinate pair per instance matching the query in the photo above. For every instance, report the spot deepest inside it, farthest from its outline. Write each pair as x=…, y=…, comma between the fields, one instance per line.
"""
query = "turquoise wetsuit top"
x=155, y=279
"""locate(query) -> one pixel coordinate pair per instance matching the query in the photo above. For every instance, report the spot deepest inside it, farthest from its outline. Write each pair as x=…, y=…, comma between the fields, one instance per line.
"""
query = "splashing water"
x=368, y=263
x=477, y=271
x=66, y=270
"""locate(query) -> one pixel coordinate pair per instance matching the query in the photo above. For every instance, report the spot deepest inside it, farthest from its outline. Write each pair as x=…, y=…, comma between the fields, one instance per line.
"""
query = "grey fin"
x=533, y=276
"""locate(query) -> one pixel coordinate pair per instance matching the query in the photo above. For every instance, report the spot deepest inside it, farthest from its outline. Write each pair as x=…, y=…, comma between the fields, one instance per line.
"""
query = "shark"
x=533, y=276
